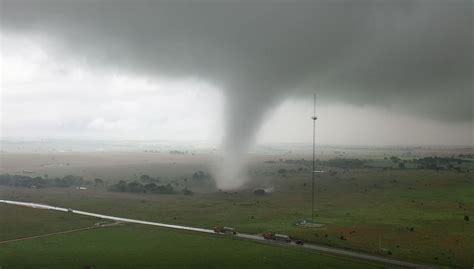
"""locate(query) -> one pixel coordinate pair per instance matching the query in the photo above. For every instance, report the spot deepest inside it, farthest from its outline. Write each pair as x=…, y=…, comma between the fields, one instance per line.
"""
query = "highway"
x=322, y=248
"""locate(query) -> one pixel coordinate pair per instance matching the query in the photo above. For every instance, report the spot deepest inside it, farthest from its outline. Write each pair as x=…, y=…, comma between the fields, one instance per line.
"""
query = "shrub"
x=259, y=192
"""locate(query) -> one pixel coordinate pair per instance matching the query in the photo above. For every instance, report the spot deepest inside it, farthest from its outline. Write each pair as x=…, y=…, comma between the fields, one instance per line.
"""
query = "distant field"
x=411, y=214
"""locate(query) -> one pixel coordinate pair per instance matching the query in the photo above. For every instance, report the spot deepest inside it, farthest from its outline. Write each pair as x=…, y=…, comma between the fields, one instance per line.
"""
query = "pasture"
x=410, y=214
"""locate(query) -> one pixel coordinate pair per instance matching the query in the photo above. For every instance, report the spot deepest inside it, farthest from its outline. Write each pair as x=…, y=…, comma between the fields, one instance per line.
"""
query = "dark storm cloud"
x=361, y=51
x=413, y=56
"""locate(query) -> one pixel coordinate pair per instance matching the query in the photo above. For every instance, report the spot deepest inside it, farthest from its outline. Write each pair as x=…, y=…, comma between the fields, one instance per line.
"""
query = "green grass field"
x=18, y=222
x=409, y=214
x=137, y=246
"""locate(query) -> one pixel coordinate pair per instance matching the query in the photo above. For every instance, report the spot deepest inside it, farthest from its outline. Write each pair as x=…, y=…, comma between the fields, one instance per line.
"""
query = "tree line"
x=137, y=187
x=42, y=182
x=147, y=185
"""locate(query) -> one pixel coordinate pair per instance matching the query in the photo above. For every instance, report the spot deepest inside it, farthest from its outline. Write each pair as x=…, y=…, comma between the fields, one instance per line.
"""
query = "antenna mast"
x=314, y=118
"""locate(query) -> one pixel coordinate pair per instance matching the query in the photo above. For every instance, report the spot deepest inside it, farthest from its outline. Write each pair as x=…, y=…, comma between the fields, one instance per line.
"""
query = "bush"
x=259, y=192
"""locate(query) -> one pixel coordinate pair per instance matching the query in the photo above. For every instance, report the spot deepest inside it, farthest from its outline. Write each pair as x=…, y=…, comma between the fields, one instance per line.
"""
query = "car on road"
x=299, y=242
x=69, y=210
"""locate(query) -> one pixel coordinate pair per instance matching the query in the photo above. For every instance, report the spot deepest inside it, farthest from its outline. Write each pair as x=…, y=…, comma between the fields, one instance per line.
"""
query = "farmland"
x=122, y=246
x=414, y=214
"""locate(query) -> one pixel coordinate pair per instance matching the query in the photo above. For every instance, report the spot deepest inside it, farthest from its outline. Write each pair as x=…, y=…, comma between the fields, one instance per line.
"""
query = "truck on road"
x=277, y=237
x=225, y=230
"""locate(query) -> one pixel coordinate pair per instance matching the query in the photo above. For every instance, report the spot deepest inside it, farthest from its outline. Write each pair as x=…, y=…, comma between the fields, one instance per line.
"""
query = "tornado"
x=367, y=52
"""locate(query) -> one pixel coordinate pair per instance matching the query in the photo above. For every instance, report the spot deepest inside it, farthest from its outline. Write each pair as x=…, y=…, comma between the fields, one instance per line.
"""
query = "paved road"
x=342, y=252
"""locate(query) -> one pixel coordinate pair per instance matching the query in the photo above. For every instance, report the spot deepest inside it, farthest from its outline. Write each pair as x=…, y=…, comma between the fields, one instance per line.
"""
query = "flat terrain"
x=409, y=214
x=138, y=246
x=19, y=222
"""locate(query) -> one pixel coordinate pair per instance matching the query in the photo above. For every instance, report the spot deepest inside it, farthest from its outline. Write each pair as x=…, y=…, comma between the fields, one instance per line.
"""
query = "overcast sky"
x=386, y=74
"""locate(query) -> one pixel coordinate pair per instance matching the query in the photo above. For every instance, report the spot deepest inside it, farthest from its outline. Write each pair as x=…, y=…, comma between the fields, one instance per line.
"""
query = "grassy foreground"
x=20, y=222
x=134, y=246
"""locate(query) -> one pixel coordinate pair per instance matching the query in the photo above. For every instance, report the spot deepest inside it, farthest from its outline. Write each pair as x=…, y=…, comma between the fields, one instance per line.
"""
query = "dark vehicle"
x=224, y=230
x=299, y=242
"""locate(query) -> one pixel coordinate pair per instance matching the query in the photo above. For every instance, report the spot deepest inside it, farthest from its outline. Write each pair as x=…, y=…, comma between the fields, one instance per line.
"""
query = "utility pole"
x=314, y=118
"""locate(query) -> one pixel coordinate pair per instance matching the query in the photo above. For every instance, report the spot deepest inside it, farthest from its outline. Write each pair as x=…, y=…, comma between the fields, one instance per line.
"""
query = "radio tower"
x=314, y=118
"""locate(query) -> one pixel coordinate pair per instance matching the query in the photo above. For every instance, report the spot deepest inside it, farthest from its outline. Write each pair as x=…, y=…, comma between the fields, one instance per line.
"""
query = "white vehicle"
x=229, y=230
x=282, y=237
x=225, y=230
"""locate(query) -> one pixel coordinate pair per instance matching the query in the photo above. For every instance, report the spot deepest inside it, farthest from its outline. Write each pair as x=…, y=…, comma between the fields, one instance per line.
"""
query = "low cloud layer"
x=412, y=56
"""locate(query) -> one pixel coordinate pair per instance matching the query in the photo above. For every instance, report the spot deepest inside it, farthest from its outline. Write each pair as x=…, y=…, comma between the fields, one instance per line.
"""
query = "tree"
x=466, y=218
x=150, y=187
x=134, y=187
x=120, y=186
x=5, y=179
x=395, y=159
x=346, y=163
x=401, y=165
x=98, y=182
x=165, y=189
x=69, y=181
